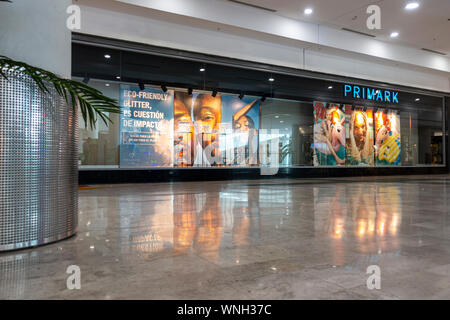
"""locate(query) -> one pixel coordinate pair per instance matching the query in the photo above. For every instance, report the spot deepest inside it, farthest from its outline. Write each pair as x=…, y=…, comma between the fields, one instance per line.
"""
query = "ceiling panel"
x=426, y=27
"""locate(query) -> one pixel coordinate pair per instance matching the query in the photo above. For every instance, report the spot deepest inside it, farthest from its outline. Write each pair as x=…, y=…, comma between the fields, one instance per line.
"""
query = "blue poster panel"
x=146, y=127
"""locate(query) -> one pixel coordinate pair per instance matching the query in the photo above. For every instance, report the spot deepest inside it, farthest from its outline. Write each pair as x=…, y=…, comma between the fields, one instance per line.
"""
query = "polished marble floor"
x=258, y=239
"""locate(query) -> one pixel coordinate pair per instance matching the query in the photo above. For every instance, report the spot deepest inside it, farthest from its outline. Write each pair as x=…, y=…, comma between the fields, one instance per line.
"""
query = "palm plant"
x=91, y=101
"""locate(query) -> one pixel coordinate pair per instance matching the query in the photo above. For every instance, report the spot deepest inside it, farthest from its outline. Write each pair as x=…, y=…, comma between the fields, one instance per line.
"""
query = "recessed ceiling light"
x=308, y=11
x=277, y=117
x=118, y=77
x=417, y=99
x=107, y=56
x=394, y=34
x=202, y=69
x=330, y=87
x=271, y=79
x=107, y=84
x=412, y=5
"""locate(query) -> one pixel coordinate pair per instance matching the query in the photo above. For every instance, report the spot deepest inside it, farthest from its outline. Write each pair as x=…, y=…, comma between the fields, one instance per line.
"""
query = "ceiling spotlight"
x=214, y=93
x=86, y=80
x=241, y=96
x=107, y=84
x=417, y=99
x=271, y=79
x=202, y=69
x=118, y=77
x=189, y=91
x=141, y=86
x=164, y=88
x=308, y=11
x=330, y=87
x=412, y=5
x=394, y=34
x=107, y=56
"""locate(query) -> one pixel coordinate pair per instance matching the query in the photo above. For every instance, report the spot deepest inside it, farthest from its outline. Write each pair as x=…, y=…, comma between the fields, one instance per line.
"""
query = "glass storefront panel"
x=99, y=147
x=294, y=120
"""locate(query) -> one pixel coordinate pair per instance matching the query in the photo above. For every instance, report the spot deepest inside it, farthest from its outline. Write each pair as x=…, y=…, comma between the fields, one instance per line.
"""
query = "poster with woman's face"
x=329, y=134
x=360, y=136
x=387, y=138
x=206, y=116
x=242, y=115
x=196, y=123
x=183, y=130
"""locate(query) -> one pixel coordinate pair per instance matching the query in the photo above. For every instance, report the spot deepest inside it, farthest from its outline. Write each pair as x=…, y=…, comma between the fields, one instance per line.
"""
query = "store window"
x=187, y=114
x=294, y=120
x=99, y=147
x=178, y=129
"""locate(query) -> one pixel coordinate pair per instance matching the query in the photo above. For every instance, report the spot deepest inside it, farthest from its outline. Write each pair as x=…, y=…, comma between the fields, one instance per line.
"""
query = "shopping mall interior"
x=224, y=150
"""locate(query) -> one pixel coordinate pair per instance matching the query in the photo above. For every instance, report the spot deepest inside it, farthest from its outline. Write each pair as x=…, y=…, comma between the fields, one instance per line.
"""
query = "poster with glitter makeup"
x=196, y=130
x=146, y=127
x=240, y=122
x=359, y=125
x=387, y=138
x=329, y=134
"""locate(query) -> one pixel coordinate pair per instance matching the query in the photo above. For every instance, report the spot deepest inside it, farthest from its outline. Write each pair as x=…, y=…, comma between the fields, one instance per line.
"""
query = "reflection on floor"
x=259, y=239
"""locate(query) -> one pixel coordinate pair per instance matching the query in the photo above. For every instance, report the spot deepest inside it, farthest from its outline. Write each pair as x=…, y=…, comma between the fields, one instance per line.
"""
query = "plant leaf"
x=92, y=102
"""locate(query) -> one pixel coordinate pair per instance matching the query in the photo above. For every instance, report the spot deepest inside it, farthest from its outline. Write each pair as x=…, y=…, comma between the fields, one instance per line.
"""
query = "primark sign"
x=377, y=95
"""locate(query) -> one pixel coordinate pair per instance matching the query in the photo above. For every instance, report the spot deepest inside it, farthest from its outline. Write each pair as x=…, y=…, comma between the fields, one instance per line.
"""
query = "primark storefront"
x=189, y=116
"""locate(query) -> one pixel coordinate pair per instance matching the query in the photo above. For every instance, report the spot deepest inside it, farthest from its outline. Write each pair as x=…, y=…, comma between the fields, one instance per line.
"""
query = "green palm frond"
x=92, y=102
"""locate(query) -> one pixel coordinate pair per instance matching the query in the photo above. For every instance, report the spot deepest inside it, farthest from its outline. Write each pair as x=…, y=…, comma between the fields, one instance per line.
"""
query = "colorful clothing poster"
x=359, y=126
x=242, y=116
x=387, y=138
x=196, y=129
x=329, y=135
x=146, y=127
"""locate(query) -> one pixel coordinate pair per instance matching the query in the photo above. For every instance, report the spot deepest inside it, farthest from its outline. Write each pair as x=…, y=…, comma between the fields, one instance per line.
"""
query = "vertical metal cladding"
x=38, y=165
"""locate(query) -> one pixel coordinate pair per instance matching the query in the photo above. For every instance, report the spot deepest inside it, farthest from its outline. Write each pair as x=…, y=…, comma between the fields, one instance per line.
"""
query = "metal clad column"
x=38, y=165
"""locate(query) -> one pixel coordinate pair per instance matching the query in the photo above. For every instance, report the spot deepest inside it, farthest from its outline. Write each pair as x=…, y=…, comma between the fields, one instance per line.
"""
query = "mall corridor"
x=248, y=239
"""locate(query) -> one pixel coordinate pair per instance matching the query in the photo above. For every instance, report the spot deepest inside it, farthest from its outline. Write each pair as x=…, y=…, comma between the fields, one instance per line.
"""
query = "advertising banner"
x=215, y=131
x=240, y=119
x=196, y=129
x=360, y=135
x=184, y=131
x=387, y=138
x=329, y=135
x=146, y=127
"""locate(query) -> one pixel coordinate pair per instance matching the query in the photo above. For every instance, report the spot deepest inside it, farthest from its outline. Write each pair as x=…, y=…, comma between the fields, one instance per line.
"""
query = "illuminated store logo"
x=358, y=92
